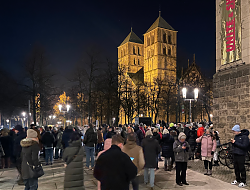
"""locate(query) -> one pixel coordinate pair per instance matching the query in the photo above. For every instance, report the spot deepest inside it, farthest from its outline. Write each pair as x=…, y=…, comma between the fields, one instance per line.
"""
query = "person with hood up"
x=182, y=152
x=90, y=140
x=139, y=134
x=135, y=153
x=73, y=157
x=30, y=150
x=107, y=145
x=17, y=149
x=240, y=148
x=208, y=147
x=114, y=169
x=151, y=149
x=167, y=149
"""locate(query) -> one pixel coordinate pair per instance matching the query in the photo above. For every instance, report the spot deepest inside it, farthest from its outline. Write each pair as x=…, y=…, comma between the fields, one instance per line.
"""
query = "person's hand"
x=184, y=147
x=232, y=140
x=212, y=153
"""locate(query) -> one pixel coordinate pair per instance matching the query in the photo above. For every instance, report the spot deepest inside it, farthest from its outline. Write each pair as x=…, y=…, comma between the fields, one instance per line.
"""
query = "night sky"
x=66, y=28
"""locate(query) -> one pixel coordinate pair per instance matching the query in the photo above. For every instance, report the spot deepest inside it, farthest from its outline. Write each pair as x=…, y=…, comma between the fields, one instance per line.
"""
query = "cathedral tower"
x=160, y=43
x=130, y=53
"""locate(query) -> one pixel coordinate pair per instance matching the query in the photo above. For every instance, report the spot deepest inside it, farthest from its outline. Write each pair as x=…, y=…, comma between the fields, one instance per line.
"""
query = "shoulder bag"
x=35, y=171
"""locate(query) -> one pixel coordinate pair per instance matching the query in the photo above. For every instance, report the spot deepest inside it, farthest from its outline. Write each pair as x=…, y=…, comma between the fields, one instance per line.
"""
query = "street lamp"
x=196, y=95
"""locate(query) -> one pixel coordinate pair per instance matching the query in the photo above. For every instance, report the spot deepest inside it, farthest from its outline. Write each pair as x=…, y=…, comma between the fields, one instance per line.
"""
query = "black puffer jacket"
x=30, y=149
x=151, y=149
x=74, y=178
x=192, y=138
x=90, y=138
x=139, y=134
x=240, y=147
x=167, y=146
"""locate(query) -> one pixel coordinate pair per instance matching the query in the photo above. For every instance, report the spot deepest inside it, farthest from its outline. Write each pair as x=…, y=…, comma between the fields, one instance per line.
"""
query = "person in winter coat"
x=139, y=134
x=107, y=145
x=73, y=157
x=182, y=152
x=111, y=132
x=114, y=169
x=90, y=140
x=135, y=152
x=208, y=147
x=47, y=140
x=200, y=130
x=167, y=149
x=66, y=136
x=17, y=149
x=59, y=146
x=186, y=131
x=151, y=149
x=142, y=129
x=124, y=132
x=216, y=136
x=30, y=150
x=192, y=141
x=100, y=140
x=131, y=130
x=7, y=145
x=240, y=148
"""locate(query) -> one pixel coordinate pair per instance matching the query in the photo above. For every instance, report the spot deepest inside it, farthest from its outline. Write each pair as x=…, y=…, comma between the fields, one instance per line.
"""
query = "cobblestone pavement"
x=54, y=176
x=219, y=172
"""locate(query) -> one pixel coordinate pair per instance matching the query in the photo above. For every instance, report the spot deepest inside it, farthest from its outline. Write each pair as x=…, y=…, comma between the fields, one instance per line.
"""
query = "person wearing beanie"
x=30, y=150
x=181, y=150
x=151, y=149
x=240, y=147
x=17, y=149
x=208, y=147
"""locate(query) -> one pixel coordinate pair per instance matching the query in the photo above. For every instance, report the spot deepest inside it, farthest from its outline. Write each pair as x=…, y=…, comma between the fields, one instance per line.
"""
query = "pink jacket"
x=207, y=145
x=107, y=145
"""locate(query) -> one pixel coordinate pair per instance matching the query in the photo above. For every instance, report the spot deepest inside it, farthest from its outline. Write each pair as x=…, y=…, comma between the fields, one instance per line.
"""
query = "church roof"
x=137, y=77
x=132, y=37
x=161, y=23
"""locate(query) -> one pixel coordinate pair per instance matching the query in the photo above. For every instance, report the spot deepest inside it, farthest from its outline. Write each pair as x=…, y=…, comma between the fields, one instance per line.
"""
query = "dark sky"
x=67, y=27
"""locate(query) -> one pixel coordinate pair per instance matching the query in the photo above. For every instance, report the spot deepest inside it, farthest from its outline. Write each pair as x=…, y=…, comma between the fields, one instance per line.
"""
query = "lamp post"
x=196, y=94
x=63, y=110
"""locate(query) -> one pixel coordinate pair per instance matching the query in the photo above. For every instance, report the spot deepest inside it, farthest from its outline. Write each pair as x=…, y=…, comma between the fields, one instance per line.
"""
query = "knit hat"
x=165, y=131
x=148, y=133
x=236, y=128
x=19, y=128
x=182, y=136
x=171, y=125
x=31, y=133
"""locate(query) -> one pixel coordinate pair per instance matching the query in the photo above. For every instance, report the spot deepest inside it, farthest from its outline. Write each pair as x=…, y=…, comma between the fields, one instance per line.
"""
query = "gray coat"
x=74, y=178
x=181, y=155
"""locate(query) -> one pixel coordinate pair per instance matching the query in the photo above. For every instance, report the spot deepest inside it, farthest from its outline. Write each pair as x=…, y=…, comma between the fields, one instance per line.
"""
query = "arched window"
x=134, y=62
x=138, y=61
x=152, y=39
x=169, y=51
x=169, y=39
x=139, y=51
x=164, y=51
x=134, y=50
x=164, y=38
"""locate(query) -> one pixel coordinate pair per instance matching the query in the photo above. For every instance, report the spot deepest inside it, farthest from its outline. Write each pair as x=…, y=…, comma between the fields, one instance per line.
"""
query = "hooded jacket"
x=30, y=149
x=240, y=146
x=73, y=179
x=90, y=138
x=151, y=149
x=136, y=152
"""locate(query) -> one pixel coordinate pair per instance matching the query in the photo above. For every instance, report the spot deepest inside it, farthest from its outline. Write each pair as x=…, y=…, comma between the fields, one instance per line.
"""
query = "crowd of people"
x=120, y=153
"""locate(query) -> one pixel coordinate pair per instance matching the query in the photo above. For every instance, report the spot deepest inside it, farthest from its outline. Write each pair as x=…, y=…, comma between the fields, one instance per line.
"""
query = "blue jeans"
x=31, y=184
x=152, y=176
x=49, y=155
x=90, y=154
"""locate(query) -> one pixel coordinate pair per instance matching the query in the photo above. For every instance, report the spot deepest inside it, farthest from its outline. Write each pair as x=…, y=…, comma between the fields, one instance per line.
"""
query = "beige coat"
x=136, y=152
